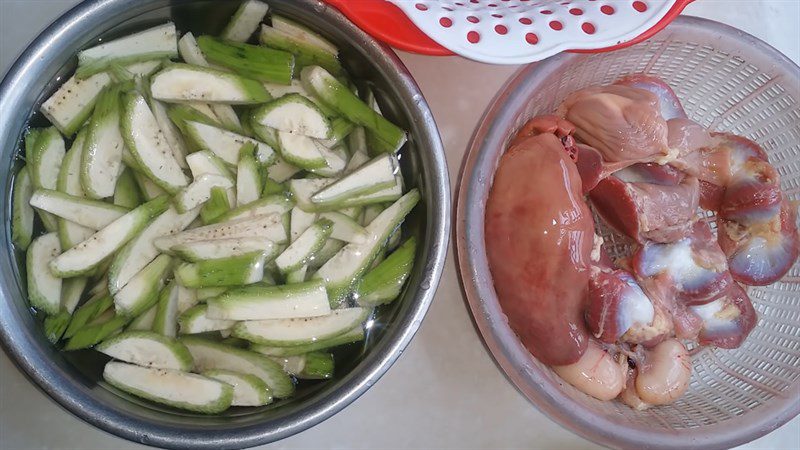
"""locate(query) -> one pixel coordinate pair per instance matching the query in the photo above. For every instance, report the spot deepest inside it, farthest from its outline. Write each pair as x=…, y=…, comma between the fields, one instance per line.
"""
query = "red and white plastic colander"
x=510, y=31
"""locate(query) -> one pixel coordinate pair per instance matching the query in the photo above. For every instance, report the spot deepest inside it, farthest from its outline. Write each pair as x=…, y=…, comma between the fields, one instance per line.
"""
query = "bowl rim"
x=509, y=354
x=29, y=355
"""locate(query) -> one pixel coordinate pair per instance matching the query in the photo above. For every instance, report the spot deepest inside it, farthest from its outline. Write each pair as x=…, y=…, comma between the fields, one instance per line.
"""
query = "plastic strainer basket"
x=727, y=80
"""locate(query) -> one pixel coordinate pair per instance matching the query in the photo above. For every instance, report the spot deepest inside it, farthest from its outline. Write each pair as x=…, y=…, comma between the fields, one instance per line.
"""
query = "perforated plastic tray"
x=517, y=32
x=510, y=31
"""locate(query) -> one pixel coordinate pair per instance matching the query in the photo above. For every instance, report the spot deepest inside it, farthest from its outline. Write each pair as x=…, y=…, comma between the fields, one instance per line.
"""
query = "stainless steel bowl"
x=73, y=379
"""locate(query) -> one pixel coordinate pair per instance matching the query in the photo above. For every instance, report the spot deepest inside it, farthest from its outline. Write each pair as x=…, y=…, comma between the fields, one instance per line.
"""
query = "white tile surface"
x=445, y=391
